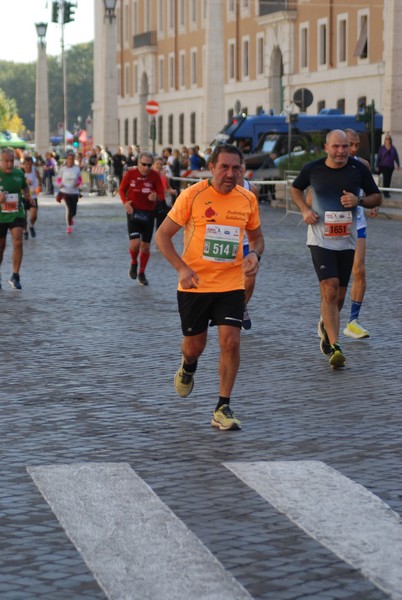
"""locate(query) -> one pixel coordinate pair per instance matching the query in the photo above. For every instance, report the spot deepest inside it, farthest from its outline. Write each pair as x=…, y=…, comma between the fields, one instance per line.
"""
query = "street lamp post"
x=41, y=94
x=109, y=95
x=110, y=6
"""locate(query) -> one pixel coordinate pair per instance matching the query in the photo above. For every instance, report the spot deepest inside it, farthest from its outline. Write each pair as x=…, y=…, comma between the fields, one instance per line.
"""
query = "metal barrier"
x=290, y=176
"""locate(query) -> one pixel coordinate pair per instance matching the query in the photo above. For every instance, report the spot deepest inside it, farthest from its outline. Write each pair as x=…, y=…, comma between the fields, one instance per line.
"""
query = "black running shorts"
x=141, y=228
x=28, y=205
x=332, y=263
x=197, y=309
x=4, y=227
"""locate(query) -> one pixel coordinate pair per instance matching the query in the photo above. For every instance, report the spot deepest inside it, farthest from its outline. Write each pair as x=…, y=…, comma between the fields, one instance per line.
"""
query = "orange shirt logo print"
x=210, y=214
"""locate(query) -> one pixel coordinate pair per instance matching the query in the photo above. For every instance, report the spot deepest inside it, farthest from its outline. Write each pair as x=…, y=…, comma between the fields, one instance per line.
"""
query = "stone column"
x=393, y=71
x=214, y=117
x=110, y=129
x=97, y=108
x=41, y=102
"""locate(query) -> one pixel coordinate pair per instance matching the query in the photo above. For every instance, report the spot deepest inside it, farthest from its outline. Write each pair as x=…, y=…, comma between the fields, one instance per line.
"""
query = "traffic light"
x=76, y=141
x=55, y=11
x=364, y=115
x=68, y=12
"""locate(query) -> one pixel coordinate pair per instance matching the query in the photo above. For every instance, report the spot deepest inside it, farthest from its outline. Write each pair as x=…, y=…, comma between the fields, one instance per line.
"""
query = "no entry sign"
x=152, y=107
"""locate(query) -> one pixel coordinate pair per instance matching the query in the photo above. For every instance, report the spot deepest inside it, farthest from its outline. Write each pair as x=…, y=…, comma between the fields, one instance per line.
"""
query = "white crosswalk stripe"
x=137, y=548
x=337, y=512
x=133, y=543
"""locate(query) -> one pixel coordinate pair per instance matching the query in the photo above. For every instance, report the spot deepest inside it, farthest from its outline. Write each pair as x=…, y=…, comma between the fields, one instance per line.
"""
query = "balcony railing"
x=148, y=38
x=270, y=6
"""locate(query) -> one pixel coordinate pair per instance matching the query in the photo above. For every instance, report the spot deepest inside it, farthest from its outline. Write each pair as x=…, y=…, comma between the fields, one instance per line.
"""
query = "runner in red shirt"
x=140, y=190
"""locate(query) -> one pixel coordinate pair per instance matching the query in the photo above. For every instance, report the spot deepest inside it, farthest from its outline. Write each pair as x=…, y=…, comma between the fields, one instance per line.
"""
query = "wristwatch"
x=256, y=253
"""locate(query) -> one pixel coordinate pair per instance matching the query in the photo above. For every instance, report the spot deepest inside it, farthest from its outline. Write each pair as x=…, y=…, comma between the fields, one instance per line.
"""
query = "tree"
x=18, y=82
x=9, y=118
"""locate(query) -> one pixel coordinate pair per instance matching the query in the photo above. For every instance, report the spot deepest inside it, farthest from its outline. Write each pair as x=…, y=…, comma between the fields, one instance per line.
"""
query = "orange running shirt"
x=214, y=226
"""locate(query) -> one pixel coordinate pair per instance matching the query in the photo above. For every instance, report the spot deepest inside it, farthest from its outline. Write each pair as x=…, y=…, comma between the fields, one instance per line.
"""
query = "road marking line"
x=337, y=512
x=135, y=546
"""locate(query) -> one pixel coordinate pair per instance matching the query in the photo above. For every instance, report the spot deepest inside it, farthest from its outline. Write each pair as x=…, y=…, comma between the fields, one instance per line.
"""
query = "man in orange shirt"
x=215, y=214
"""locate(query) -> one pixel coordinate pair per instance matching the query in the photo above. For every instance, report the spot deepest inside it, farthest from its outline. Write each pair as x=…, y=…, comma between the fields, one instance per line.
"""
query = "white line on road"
x=132, y=542
x=337, y=512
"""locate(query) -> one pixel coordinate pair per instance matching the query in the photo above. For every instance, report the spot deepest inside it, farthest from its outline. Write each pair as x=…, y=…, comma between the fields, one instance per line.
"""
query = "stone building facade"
x=204, y=60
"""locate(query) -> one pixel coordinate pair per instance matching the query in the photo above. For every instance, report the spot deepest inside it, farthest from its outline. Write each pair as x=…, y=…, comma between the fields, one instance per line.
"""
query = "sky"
x=18, y=39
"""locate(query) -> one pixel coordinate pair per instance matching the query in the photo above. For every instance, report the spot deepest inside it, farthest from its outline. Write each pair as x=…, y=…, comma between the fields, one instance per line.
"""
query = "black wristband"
x=256, y=253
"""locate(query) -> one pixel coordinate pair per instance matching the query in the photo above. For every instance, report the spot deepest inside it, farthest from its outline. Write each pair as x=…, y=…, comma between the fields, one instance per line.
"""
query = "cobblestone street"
x=88, y=363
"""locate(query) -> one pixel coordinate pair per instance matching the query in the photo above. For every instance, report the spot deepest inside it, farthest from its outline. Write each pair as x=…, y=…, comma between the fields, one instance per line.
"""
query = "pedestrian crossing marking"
x=135, y=546
x=340, y=514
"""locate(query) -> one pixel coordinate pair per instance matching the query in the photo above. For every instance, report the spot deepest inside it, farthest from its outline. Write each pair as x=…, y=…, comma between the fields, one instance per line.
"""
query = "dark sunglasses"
x=149, y=165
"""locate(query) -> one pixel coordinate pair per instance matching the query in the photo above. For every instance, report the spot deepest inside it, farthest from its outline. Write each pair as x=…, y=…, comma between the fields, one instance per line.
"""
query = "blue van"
x=276, y=134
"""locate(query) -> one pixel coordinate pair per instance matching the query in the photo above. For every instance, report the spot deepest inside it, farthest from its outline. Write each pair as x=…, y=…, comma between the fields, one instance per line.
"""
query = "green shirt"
x=12, y=183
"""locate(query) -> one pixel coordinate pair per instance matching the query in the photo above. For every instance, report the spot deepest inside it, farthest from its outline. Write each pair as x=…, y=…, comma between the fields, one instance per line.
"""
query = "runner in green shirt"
x=13, y=189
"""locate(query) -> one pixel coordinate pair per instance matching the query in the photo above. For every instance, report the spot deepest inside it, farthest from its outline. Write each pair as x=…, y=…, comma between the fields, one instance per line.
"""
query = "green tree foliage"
x=18, y=83
x=8, y=110
x=18, y=80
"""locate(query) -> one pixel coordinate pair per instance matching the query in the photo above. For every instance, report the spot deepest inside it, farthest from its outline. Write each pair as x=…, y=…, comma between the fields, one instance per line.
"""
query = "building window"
x=182, y=69
x=361, y=103
x=136, y=28
x=135, y=131
x=260, y=54
x=342, y=39
x=181, y=128
x=230, y=114
x=161, y=73
x=245, y=8
x=303, y=46
x=171, y=72
x=361, y=50
x=127, y=80
x=118, y=21
x=147, y=15
x=231, y=60
x=126, y=132
x=171, y=15
x=126, y=25
x=322, y=43
x=194, y=66
x=118, y=81
x=161, y=14
x=193, y=14
x=192, y=128
x=135, y=79
x=320, y=105
x=231, y=9
x=246, y=58
x=160, y=130
x=340, y=103
x=182, y=15
x=204, y=10
x=170, y=129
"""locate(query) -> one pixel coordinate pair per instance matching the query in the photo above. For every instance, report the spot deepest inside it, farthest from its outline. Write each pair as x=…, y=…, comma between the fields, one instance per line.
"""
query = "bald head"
x=337, y=149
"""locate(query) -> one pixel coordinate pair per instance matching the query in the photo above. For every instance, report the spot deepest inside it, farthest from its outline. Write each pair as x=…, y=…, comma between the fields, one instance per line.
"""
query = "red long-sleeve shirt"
x=135, y=188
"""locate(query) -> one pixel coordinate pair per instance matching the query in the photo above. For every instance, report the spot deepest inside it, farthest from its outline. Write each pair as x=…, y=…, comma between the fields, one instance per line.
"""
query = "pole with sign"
x=152, y=108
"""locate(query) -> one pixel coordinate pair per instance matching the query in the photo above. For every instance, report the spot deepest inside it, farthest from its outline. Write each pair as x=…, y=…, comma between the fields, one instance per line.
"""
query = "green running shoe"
x=325, y=346
x=337, y=358
x=225, y=419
